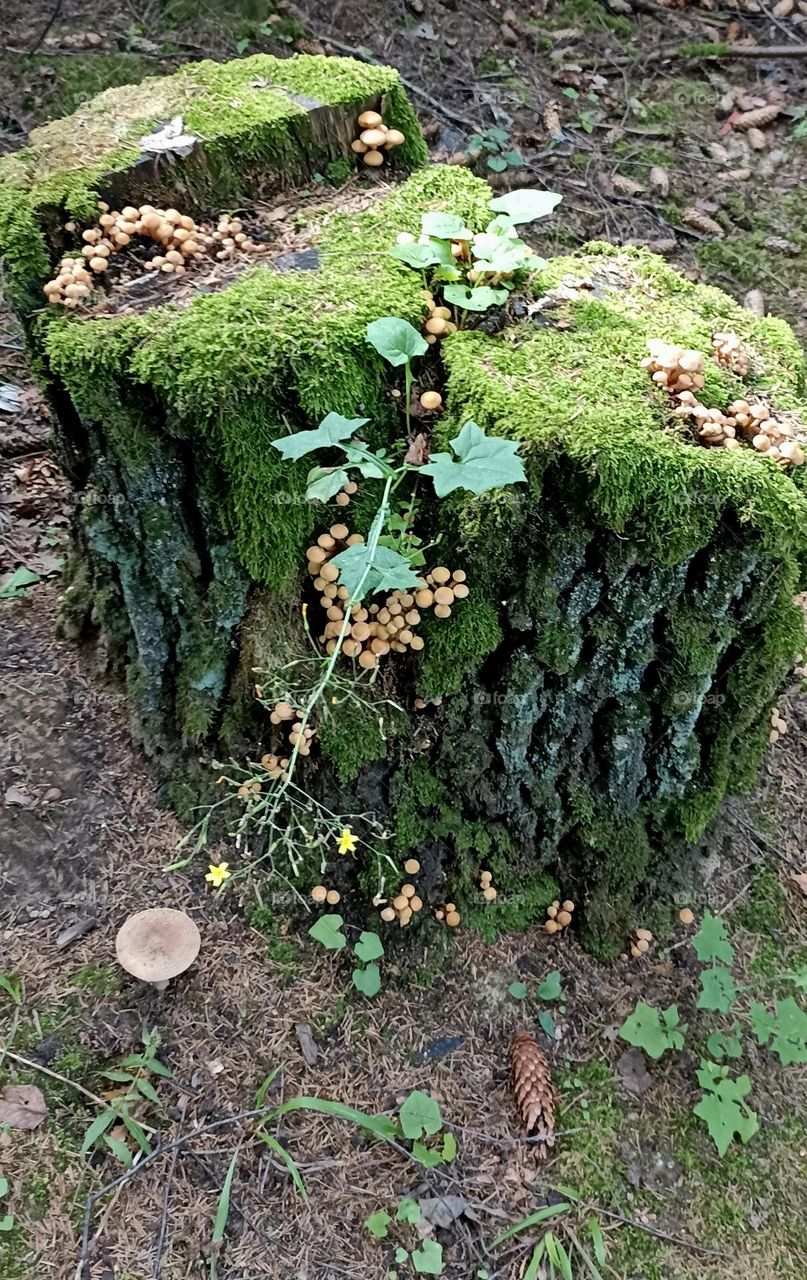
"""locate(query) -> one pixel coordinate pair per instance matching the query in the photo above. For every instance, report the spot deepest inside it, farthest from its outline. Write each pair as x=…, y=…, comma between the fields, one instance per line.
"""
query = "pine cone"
x=701, y=222
x=758, y=118
x=535, y=1096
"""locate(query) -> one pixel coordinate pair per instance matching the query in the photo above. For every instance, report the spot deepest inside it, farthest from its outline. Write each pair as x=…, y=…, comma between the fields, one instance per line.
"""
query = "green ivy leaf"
x=378, y=1224
x=367, y=980
x=525, y=205
x=6, y=1222
x=396, y=340
x=717, y=990
x=480, y=298
x=408, y=1210
x=420, y=1115
x=401, y=1254
x=324, y=483
x=385, y=571
x=786, y=1030
x=518, y=990
x=653, y=1032
x=497, y=163
x=369, y=947
x=328, y=931
x=445, y=226
x=428, y=1259
x=711, y=941
x=724, y=1045
x=723, y=1106
x=551, y=987
x=484, y=462
x=331, y=431
x=18, y=583
x=426, y=1156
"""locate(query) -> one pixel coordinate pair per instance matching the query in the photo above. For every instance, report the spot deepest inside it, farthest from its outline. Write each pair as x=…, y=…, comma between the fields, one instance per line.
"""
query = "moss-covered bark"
x=607, y=681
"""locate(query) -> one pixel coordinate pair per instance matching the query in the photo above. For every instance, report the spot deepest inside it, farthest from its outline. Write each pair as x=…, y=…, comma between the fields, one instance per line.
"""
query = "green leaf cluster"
x=723, y=1106
x=654, y=1031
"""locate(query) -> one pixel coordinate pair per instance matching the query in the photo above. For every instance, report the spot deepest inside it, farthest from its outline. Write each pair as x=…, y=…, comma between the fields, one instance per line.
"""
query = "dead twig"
x=438, y=108
x=654, y=1231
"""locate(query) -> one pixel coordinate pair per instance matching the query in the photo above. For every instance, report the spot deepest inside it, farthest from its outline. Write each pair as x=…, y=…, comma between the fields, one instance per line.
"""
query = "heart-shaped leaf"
x=445, y=226
x=419, y=1115
x=369, y=947
x=482, y=298
x=367, y=980
x=525, y=205
x=396, y=340
x=328, y=931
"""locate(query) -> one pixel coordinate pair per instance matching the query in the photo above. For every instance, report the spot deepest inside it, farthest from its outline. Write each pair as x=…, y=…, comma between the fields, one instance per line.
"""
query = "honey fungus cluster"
x=378, y=629
x=180, y=239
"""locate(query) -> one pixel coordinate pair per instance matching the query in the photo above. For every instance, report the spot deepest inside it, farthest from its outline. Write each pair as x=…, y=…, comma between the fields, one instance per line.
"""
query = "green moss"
x=280, y=947
x=456, y=647
x=766, y=907
x=354, y=733
x=589, y=15
x=581, y=391
x=101, y=979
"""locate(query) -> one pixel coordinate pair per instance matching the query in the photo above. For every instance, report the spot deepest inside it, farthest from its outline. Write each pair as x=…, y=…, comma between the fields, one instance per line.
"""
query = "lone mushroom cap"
x=157, y=944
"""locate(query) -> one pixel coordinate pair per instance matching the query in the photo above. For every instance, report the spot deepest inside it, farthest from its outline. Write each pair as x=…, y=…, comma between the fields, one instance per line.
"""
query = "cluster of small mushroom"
x=275, y=765
x=249, y=789
x=780, y=436
x=181, y=238
x=486, y=885
x=558, y=916
x=676, y=368
x=639, y=942
x=375, y=138
x=299, y=737
x=778, y=726
x=407, y=903
x=344, y=495
x=448, y=913
x=438, y=322
x=731, y=351
x=380, y=628
x=320, y=894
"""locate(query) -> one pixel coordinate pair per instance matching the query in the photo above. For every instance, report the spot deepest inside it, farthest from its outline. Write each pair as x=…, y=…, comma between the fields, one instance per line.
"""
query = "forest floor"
x=602, y=106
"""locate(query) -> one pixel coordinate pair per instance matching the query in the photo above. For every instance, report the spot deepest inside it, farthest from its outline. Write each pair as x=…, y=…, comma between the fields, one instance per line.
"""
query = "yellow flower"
x=217, y=875
x=347, y=841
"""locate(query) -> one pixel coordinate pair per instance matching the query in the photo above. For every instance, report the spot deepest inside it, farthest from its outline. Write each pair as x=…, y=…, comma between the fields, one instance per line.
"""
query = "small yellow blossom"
x=347, y=841
x=218, y=874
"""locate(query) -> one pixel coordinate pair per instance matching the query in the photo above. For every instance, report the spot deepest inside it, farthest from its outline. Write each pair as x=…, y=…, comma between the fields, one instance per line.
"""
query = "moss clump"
x=766, y=907
x=454, y=651
x=280, y=947
x=354, y=734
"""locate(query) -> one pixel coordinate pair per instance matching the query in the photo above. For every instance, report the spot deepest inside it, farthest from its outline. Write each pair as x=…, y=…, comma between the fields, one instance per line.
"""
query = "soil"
x=591, y=103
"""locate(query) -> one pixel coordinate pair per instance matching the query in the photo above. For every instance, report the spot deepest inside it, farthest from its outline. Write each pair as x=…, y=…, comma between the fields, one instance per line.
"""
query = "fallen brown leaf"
x=800, y=879
x=22, y=1106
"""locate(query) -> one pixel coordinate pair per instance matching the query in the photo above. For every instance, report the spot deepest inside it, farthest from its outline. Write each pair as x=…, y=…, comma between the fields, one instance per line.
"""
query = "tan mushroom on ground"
x=157, y=945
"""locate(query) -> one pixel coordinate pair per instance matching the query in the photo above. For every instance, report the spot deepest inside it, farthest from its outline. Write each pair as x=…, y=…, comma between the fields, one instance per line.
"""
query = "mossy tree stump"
x=610, y=676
